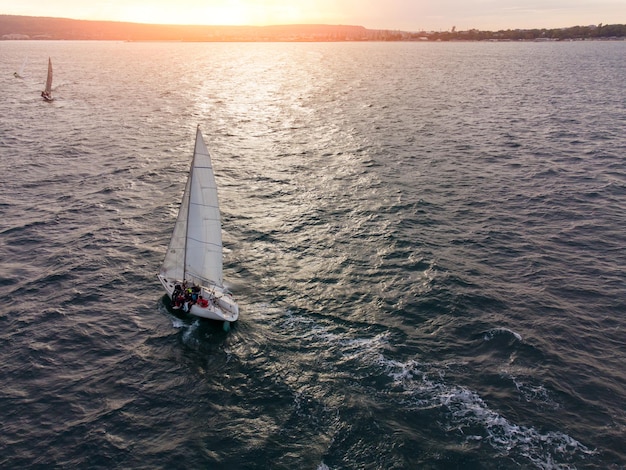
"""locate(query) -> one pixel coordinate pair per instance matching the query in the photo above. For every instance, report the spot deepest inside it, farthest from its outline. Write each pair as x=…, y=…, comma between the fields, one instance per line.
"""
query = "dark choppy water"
x=426, y=241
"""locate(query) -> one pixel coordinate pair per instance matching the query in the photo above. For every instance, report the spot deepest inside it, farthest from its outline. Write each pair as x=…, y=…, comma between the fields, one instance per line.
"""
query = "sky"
x=405, y=15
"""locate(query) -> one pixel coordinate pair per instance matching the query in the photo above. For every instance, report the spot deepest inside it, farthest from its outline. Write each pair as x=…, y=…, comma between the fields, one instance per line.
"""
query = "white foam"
x=489, y=335
x=177, y=322
x=423, y=386
x=189, y=337
x=468, y=412
x=533, y=393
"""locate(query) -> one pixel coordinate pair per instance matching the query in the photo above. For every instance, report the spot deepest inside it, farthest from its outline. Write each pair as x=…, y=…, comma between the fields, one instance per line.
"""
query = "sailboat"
x=47, y=93
x=191, y=272
x=20, y=74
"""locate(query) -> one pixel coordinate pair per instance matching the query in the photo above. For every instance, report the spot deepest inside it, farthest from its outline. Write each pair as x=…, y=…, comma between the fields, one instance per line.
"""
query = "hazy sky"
x=408, y=15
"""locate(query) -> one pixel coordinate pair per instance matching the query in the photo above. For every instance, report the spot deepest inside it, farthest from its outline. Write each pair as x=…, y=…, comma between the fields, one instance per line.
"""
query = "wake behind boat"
x=191, y=272
x=47, y=93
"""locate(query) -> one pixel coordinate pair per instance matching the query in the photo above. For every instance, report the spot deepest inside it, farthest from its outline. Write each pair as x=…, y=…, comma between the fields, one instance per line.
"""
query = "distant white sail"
x=47, y=93
x=20, y=74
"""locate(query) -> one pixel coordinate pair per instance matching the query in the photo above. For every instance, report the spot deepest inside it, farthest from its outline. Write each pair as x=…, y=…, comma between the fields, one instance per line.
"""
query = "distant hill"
x=28, y=27
x=31, y=27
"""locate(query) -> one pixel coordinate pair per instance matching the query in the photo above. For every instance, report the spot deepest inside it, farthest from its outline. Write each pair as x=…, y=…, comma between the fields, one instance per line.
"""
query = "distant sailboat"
x=47, y=93
x=20, y=74
x=191, y=272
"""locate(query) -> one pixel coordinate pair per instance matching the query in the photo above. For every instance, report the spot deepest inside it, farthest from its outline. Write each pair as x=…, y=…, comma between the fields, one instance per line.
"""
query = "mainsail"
x=195, y=250
x=48, y=89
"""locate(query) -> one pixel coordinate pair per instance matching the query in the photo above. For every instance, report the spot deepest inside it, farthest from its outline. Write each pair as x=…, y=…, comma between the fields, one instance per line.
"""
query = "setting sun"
x=223, y=12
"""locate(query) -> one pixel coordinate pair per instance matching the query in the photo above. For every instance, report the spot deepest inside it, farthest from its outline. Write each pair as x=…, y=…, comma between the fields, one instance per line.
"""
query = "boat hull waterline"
x=221, y=307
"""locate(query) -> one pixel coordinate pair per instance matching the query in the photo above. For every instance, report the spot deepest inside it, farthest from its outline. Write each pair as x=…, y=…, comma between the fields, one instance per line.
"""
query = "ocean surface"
x=426, y=241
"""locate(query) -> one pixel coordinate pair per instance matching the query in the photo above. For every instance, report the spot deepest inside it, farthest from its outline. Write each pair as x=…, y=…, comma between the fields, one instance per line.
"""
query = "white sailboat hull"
x=222, y=308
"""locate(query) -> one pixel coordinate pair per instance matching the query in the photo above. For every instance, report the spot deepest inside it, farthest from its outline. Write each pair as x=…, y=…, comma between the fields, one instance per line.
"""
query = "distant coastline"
x=44, y=28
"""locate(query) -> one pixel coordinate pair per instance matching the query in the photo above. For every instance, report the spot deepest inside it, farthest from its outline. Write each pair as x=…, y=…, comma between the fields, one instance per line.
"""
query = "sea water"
x=426, y=241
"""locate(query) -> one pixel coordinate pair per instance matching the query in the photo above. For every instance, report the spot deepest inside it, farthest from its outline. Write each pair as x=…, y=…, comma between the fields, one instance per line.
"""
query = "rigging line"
x=203, y=242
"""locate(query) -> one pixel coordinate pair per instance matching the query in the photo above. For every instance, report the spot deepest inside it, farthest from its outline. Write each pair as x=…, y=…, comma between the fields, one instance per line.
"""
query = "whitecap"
x=489, y=335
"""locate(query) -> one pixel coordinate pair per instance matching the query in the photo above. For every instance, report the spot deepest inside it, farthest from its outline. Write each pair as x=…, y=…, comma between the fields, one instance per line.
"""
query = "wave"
x=416, y=387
